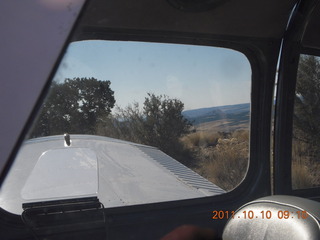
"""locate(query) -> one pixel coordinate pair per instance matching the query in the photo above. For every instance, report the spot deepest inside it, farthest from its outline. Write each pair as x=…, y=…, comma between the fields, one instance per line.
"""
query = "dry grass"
x=200, y=139
x=301, y=177
x=223, y=126
x=305, y=169
x=222, y=158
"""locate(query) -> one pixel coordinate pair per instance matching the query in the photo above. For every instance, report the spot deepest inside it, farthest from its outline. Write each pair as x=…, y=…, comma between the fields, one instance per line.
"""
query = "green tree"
x=307, y=103
x=306, y=131
x=164, y=123
x=126, y=124
x=159, y=123
x=77, y=105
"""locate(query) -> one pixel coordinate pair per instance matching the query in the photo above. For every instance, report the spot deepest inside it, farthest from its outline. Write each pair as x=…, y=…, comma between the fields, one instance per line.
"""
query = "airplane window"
x=306, y=128
x=164, y=121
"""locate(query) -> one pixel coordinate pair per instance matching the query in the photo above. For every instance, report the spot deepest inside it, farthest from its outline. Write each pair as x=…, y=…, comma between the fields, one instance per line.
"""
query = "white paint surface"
x=126, y=174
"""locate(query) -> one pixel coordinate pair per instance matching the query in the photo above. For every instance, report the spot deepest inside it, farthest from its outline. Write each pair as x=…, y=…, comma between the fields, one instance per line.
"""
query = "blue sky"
x=197, y=75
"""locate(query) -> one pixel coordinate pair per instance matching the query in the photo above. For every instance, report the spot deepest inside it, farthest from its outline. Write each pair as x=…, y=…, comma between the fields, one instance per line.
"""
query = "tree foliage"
x=164, y=123
x=77, y=105
x=159, y=123
x=307, y=103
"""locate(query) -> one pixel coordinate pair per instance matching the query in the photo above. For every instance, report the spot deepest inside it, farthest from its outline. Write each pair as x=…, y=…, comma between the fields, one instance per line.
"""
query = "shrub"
x=225, y=164
x=200, y=139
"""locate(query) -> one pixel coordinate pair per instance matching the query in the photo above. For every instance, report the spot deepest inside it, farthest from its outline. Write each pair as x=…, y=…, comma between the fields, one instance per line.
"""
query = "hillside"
x=222, y=118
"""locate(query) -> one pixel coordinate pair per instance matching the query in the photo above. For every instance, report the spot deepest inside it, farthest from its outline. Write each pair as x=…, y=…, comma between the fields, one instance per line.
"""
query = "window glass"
x=164, y=122
x=306, y=128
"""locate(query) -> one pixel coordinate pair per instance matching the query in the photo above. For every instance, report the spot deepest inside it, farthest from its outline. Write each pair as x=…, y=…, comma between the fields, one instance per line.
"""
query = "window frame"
x=262, y=55
x=263, y=59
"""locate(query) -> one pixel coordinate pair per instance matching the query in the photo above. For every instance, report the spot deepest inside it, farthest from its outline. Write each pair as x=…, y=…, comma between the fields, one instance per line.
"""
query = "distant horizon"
x=218, y=106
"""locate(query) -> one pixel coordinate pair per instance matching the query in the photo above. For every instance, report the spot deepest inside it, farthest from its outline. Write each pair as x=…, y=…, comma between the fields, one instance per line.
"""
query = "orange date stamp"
x=219, y=214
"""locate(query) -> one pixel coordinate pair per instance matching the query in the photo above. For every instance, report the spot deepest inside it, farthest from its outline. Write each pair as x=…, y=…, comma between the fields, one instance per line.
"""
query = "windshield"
x=163, y=121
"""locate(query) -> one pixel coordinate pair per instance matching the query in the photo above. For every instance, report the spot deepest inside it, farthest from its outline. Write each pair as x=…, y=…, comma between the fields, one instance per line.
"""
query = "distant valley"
x=223, y=118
